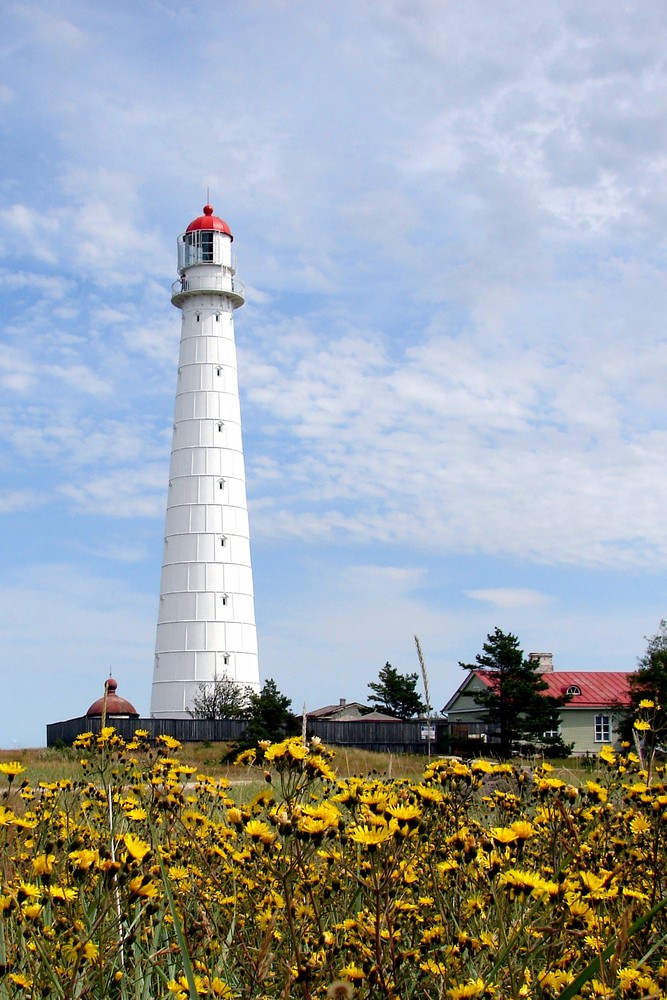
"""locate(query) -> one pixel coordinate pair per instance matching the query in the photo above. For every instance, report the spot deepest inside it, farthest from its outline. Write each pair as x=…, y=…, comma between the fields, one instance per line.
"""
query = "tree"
x=649, y=683
x=269, y=716
x=516, y=706
x=396, y=694
x=222, y=698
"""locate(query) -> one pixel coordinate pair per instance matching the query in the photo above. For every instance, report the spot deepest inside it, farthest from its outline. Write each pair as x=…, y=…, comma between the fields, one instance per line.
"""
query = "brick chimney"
x=545, y=662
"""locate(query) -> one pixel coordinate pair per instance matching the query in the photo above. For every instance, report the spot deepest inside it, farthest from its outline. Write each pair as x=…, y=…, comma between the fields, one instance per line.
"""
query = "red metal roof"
x=115, y=705
x=209, y=221
x=599, y=688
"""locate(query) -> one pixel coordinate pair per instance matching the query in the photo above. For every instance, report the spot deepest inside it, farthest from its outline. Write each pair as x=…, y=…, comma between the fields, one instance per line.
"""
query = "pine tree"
x=517, y=709
x=269, y=716
x=396, y=694
x=649, y=683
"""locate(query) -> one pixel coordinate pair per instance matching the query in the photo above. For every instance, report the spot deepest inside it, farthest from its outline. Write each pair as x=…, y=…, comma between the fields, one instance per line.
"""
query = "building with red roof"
x=588, y=721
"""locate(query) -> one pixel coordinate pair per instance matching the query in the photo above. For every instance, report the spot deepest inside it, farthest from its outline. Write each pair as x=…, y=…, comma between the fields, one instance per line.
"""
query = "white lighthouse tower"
x=206, y=620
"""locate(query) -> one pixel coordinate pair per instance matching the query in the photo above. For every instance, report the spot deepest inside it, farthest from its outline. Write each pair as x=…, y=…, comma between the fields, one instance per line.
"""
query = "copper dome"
x=115, y=706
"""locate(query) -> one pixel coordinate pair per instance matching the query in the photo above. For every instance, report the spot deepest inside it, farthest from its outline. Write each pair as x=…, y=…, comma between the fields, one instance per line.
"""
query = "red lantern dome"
x=209, y=221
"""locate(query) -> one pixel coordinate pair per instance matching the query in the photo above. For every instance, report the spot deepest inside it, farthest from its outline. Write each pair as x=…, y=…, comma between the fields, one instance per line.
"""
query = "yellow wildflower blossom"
x=504, y=834
x=43, y=864
x=136, y=847
x=257, y=830
x=371, y=836
x=473, y=988
x=640, y=825
x=12, y=768
x=19, y=979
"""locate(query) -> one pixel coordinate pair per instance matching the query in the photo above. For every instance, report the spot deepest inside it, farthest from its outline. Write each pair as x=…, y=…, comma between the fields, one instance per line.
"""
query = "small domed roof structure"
x=116, y=707
x=209, y=221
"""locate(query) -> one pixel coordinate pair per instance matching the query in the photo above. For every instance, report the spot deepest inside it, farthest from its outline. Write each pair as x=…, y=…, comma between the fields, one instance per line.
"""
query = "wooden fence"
x=388, y=737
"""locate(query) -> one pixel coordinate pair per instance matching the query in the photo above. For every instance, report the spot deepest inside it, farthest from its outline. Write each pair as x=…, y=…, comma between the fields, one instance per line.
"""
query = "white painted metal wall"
x=206, y=619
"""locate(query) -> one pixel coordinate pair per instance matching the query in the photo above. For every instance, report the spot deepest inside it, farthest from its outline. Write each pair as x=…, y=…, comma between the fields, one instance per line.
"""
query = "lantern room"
x=207, y=240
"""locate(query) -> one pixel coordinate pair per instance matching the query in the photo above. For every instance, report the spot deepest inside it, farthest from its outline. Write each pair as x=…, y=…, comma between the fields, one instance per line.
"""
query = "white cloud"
x=506, y=597
x=20, y=500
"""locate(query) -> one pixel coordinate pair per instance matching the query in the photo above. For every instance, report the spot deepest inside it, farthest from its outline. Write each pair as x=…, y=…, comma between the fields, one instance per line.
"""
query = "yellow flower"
x=177, y=873
x=90, y=951
x=405, y=813
x=641, y=725
x=168, y=741
x=62, y=894
x=27, y=890
x=297, y=750
x=640, y=825
x=504, y=834
x=435, y=968
x=352, y=972
x=220, y=989
x=596, y=791
x=84, y=859
x=31, y=910
x=20, y=980
x=43, y=864
x=143, y=888
x=371, y=836
x=137, y=814
x=523, y=829
x=522, y=883
x=137, y=848
x=257, y=830
x=473, y=988
x=12, y=768
x=555, y=979
x=7, y=817
x=275, y=751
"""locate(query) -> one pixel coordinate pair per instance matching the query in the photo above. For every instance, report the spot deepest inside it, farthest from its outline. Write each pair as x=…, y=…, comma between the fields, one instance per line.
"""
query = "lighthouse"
x=206, y=618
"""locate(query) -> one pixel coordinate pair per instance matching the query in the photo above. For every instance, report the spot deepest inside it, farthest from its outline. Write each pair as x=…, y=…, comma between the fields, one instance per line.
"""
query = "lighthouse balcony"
x=194, y=284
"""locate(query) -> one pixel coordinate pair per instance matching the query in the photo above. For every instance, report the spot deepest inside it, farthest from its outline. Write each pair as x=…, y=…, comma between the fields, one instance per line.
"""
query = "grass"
x=52, y=764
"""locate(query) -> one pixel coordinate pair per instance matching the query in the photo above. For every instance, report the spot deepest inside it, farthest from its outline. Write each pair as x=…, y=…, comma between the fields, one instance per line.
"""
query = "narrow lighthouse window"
x=207, y=246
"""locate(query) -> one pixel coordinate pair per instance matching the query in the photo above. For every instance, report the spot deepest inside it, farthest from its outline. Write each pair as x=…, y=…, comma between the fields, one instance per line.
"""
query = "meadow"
x=143, y=876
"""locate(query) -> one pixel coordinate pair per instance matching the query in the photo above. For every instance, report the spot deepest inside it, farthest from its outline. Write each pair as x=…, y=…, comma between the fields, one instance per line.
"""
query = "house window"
x=221, y=484
x=603, y=729
x=198, y=317
x=224, y=599
x=218, y=370
x=225, y=659
x=223, y=541
x=217, y=317
x=552, y=734
x=573, y=689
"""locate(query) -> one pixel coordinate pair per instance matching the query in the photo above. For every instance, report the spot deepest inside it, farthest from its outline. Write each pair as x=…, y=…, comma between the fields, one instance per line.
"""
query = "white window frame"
x=603, y=728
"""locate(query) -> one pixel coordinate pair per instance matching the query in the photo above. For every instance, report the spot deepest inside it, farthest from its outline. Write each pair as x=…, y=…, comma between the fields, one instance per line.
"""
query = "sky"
x=451, y=222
